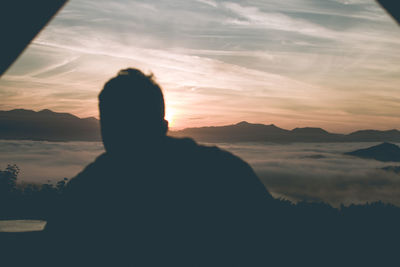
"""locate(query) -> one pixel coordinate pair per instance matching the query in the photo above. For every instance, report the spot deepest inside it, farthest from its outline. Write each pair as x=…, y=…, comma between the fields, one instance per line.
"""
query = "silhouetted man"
x=151, y=199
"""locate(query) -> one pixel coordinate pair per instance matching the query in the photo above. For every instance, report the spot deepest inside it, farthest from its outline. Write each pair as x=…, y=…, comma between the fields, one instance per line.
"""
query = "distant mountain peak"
x=370, y=131
x=256, y=126
x=309, y=130
x=246, y=123
x=90, y=119
x=383, y=152
x=22, y=124
x=46, y=111
x=19, y=111
x=387, y=144
x=242, y=123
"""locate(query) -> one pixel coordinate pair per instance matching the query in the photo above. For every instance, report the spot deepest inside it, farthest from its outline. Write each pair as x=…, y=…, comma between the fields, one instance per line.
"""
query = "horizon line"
x=175, y=129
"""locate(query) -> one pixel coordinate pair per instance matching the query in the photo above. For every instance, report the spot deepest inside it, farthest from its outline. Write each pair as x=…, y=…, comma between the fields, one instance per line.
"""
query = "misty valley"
x=317, y=172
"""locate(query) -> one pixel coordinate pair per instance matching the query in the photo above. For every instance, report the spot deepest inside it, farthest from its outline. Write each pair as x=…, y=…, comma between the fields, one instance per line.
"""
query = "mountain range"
x=249, y=132
x=22, y=124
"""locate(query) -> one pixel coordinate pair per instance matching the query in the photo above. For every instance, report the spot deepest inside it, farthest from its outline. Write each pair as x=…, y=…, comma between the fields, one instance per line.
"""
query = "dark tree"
x=8, y=179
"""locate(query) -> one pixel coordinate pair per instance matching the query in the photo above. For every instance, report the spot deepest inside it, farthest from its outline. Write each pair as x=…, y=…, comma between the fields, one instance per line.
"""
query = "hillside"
x=21, y=124
x=384, y=152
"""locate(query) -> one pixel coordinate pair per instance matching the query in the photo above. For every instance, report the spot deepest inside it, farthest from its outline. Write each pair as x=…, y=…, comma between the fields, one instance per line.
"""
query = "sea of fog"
x=298, y=171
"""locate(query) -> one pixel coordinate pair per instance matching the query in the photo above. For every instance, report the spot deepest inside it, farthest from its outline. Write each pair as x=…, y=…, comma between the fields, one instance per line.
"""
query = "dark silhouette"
x=392, y=7
x=384, y=152
x=294, y=234
x=22, y=124
x=27, y=200
x=251, y=132
x=8, y=179
x=156, y=199
x=24, y=20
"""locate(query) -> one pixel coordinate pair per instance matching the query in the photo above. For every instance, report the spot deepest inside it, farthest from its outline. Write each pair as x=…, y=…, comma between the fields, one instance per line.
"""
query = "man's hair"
x=131, y=110
x=133, y=88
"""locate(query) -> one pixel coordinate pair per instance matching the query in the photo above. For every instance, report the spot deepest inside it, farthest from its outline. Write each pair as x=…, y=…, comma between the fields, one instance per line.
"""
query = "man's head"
x=131, y=111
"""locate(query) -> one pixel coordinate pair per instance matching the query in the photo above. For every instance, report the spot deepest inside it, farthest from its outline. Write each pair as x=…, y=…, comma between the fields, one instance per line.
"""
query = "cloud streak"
x=332, y=64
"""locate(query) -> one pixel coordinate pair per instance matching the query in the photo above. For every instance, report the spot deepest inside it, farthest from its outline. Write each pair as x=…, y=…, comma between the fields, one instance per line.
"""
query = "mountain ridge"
x=47, y=125
x=385, y=152
x=25, y=124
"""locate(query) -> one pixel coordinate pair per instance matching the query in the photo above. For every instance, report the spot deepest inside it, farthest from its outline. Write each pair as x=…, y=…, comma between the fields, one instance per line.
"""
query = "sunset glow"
x=170, y=114
x=331, y=64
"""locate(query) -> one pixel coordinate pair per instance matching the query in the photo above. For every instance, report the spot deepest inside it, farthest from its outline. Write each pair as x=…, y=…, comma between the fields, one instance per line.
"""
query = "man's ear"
x=165, y=127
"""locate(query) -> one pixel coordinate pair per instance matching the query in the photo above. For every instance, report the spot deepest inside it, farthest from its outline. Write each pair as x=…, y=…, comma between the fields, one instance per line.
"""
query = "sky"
x=295, y=63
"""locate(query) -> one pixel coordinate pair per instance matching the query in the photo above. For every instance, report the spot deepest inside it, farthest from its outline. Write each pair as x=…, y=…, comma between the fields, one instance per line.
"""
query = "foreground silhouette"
x=153, y=199
x=302, y=234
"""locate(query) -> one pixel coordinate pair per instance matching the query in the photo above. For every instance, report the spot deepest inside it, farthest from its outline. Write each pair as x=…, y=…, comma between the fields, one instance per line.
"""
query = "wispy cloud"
x=208, y=2
x=318, y=63
x=253, y=17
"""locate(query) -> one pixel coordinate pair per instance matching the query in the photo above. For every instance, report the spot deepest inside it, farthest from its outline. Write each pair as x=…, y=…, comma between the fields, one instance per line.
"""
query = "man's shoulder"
x=208, y=153
x=92, y=170
x=224, y=168
x=191, y=145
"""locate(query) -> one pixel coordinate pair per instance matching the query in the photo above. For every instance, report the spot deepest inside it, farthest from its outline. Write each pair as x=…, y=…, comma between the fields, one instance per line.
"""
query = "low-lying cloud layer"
x=318, y=172
x=43, y=161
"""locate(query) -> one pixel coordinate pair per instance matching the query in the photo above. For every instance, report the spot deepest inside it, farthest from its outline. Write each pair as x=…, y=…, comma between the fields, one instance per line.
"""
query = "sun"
x=170, y=116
